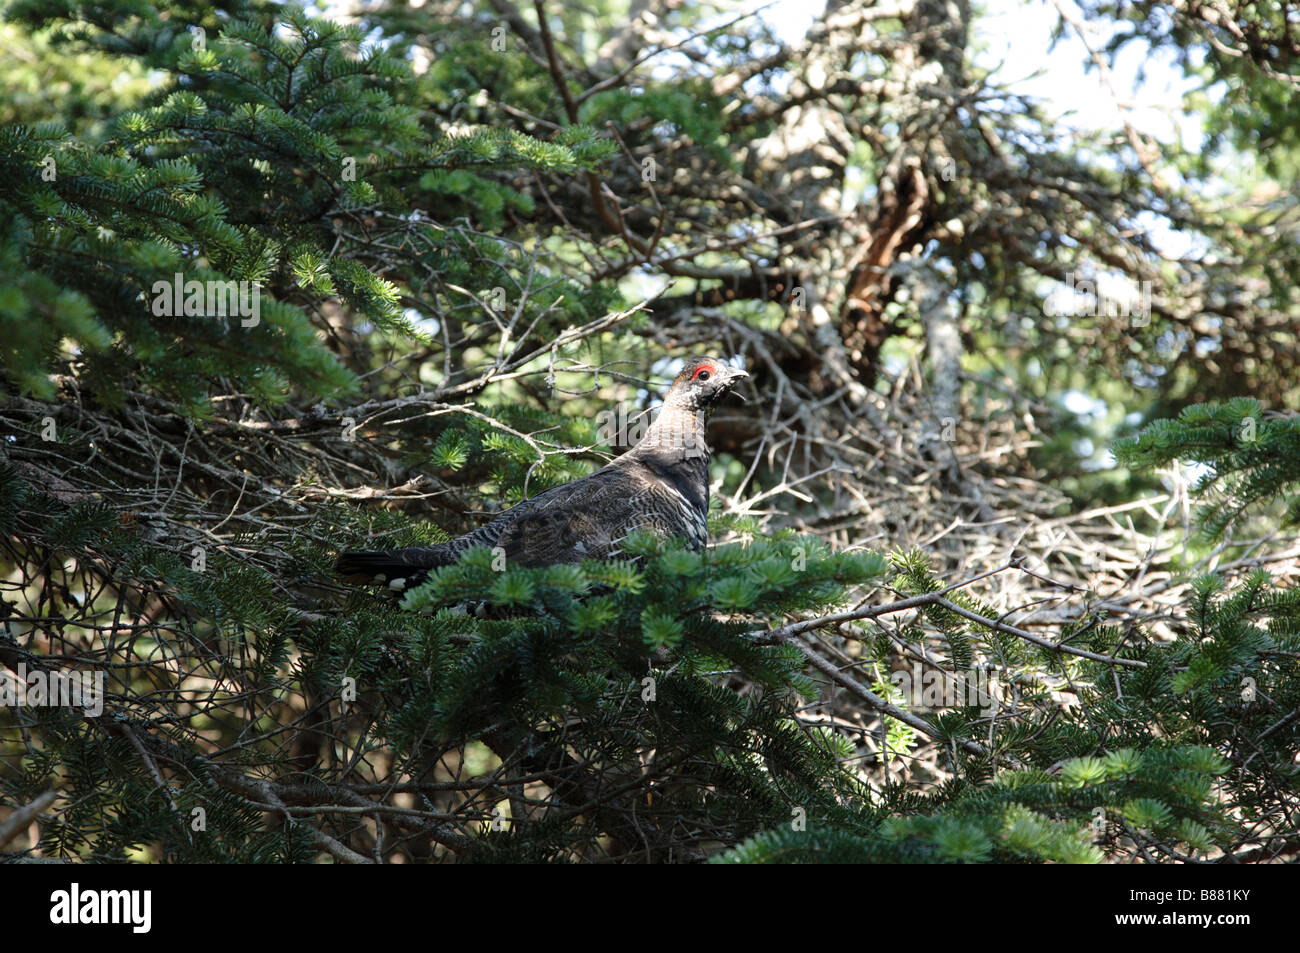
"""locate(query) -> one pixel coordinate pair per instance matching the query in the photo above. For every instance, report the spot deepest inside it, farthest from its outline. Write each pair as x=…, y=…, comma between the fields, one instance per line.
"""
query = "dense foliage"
x=456, y=250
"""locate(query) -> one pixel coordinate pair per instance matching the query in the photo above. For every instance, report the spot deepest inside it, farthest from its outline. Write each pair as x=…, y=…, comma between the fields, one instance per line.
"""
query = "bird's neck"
x=677, y=429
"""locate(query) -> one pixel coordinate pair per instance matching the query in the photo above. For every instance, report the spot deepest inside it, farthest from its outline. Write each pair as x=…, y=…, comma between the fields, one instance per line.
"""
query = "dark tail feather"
x=395, y=568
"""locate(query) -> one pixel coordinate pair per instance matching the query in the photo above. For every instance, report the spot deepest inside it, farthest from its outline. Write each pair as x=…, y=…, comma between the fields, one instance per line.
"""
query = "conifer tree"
x=299, y=286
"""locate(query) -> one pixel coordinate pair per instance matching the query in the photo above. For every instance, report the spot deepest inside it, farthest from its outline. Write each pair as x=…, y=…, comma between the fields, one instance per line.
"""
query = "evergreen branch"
x=23, y=816
x=1035, y=639
x=271, y=802
x=784, y=633
x=833, y=672
x=553, y=62
x=267, y=795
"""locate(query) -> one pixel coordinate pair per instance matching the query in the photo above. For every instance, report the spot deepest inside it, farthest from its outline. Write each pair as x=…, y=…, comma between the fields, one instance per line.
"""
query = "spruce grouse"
x=661, y=484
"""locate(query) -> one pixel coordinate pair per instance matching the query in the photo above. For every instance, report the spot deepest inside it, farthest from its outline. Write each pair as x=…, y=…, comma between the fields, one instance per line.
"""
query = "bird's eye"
x=702, y=376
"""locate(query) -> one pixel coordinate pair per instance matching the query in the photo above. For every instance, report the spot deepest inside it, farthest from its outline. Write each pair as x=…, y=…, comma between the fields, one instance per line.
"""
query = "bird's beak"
x=735, y=374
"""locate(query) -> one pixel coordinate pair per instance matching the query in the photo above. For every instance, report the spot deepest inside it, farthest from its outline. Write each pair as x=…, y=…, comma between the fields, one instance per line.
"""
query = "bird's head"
x=702, y=383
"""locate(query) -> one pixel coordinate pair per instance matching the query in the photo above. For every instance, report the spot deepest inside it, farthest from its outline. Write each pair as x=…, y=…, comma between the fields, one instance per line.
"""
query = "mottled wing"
x=590, y=517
